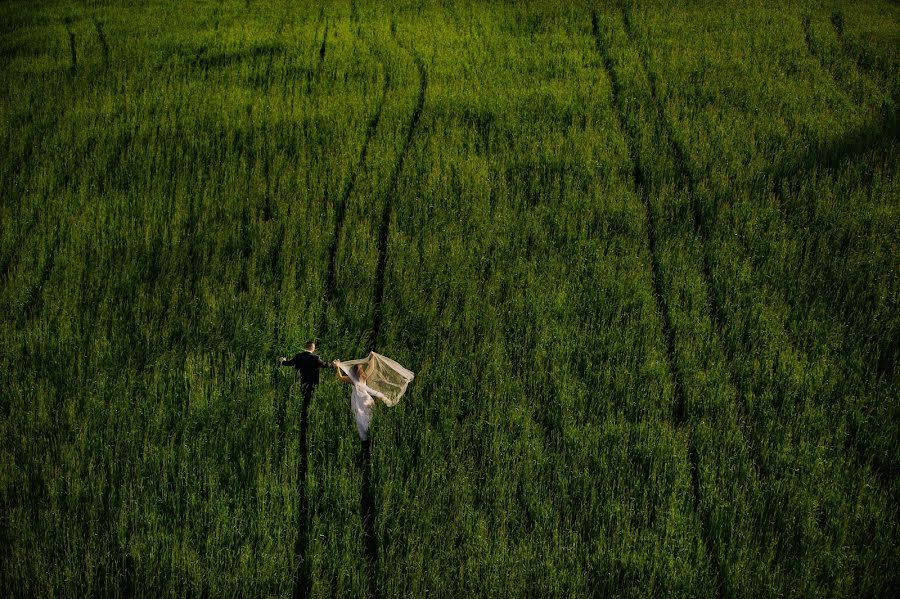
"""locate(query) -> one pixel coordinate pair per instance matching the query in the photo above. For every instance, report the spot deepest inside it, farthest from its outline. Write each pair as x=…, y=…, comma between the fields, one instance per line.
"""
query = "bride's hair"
x=361, y=373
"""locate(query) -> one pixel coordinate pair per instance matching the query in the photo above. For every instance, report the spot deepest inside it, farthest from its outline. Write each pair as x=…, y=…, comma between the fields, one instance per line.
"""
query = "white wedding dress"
x=361, y=403
x=386, y=380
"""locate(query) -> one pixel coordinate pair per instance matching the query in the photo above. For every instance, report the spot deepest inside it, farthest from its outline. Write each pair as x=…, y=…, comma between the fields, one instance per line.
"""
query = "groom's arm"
x=291, y=362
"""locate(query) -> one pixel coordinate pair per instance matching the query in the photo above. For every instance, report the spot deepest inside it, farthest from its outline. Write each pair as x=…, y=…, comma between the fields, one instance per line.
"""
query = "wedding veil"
x=385, y=376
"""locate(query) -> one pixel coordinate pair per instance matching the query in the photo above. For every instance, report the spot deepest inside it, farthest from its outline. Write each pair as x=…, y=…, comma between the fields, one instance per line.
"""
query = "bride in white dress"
x=374, y=376
x=362, y=398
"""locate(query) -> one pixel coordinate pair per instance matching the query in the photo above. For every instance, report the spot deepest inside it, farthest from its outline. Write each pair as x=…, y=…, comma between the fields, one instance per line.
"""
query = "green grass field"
x=643, y=259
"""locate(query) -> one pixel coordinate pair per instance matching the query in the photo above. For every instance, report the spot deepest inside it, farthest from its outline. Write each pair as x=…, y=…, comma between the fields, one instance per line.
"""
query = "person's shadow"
x=367, y=512
x=302, y=582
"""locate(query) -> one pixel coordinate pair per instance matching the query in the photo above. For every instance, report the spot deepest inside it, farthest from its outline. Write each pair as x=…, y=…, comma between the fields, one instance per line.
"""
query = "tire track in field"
x=392, y=188
x=341, y=206
x=301, y=577
x=836, y=20
x=639, y=181
x=702, y=229
x=22, y=159
x=302, y=580
x=14, y=188
x=15, y=180
x=367, y=495
x=813, y=49
x=301, y=544
x=35, y=301
x=886, y=120
x=322, y=48
x=278, y=338
x=644, y=187
x=269, y=216
x=864, y=67
x=884, y=129
x=687, y=181
x=367, y=513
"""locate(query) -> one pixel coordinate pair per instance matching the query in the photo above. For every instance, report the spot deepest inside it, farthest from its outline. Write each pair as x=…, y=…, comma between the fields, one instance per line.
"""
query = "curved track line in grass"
x=879, y=135
x=367, y=514
x=301, y=577
x=836, y=20
x=6, y=262
x=15, y=179
x=643, y=189
x=269, y=215
x=280, y=407
x=686, y=180
x=391, y=190
x=812, y=48
x=367, y=494
x=641, y=186
x=864, y=62
x=885, y=128
x=341, y=205
x=320, y=18
x=35, y=300
x=14, y=190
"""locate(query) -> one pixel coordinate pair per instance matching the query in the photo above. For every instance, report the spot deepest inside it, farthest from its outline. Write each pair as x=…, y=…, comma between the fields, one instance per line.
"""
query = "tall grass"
x=641, y=258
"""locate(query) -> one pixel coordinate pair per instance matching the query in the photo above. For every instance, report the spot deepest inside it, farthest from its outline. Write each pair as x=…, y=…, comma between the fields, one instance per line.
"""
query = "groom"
x=307, y=364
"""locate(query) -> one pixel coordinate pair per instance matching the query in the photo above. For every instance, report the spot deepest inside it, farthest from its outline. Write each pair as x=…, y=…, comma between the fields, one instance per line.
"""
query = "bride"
x=362, y=397
x=374, y=376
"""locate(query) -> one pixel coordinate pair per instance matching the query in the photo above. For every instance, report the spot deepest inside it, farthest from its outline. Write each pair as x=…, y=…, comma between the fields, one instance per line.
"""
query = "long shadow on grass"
x=101, y=38
x=301, y=546
x=367, y=513
x=73, y=54
x=644, y=186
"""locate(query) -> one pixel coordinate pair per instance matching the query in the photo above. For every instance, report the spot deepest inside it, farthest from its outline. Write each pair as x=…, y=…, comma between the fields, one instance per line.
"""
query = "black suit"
x=308, y=365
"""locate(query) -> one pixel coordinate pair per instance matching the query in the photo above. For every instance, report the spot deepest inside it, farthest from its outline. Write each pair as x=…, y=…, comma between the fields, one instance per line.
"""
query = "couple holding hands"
x=372, y=377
